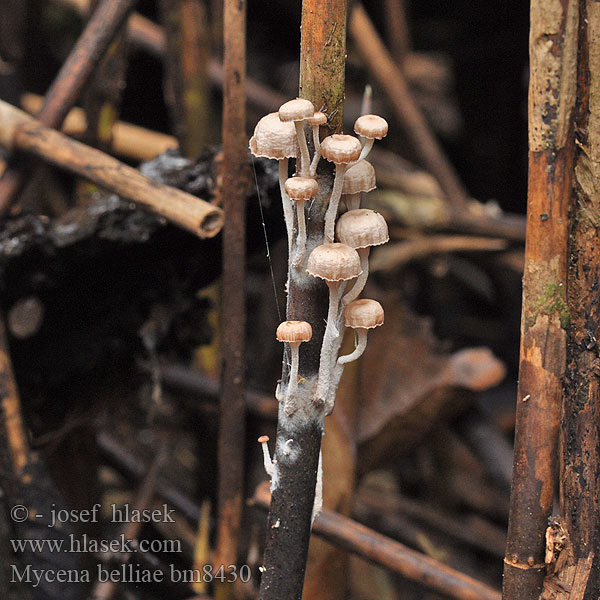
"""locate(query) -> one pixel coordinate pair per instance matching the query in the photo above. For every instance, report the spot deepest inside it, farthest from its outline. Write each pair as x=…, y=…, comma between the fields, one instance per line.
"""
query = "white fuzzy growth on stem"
x=354, y=292
x=361, y=344
x=336, y=194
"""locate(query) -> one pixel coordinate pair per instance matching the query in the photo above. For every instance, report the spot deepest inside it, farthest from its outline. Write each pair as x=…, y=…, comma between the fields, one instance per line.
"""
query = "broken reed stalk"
x=19, y=131
x=580, y=436
x=101, y=29
x=232, y=417
x=545, y=315
x=322, y=78
x=381, y=550
x=391, y=79
x=127, y=140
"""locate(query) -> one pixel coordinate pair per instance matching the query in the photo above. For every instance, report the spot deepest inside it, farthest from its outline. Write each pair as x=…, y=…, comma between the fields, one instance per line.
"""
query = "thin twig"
x=392, y=81
x=73, y=75
x=373, y=546
x=21, y=132
x=232, y=416
x=398, y=34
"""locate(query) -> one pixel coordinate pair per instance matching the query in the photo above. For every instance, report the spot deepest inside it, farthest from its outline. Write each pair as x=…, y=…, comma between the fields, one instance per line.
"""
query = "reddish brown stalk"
x=233, y=315
x=362, y=541
x=580, y=435
x=390, y=78
x=545, y=315
x=74, y=74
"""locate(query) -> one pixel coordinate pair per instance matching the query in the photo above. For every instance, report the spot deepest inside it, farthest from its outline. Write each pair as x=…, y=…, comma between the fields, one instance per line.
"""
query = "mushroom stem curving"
x=361, y=344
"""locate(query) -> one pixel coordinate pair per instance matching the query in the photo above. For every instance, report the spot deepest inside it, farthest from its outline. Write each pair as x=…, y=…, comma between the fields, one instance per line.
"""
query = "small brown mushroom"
x=358, y=178
x=361, y=315
x=294, y=333
x=370, y=128
x=361, y=229
x=276, y=140
x=298, y=111
x=334, y=263
x=340, y=150
x=301, y=189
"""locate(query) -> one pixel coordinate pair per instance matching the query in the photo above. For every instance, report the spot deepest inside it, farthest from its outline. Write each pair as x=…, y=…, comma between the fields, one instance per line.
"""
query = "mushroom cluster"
x=342, y=264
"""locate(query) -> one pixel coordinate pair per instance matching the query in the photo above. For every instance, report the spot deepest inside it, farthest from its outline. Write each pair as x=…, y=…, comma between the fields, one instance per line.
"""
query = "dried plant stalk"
x=553, y=54
x=322, y=66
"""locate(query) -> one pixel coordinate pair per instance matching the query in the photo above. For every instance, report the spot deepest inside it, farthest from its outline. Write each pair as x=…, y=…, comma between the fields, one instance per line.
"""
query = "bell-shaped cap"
x=359, y=178
x=371, y=126
x=318, y=118
x=274, y=139
x=294, y=331
x=361, y=228
x=301, y=188
x=340, y=148
x=364, y=314
x=296, y=110
x=334, y=262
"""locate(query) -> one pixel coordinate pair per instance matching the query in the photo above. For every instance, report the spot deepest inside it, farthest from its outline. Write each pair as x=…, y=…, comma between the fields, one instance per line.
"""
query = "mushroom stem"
x=352, y=201
x=293, y=381
x=336, y=194
x=361, y=344
x=301, y=239
x=304, y=156
x=359, y=284
x=365, y=151
x=288, y=210
x=263, y=439
x=317, y=154
x=326, y=361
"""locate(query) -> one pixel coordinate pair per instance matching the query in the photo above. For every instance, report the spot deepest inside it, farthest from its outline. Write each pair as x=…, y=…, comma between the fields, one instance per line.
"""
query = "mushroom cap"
x=359, y=178
x=294, y=331
x=301, y=188
x=340, y=148
x=263, y=439
x=334, y=262
x=296, y=110
x=364, y=314
x=274, y=139
x=371, y=126
x=361, y=228
x=318, y=118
